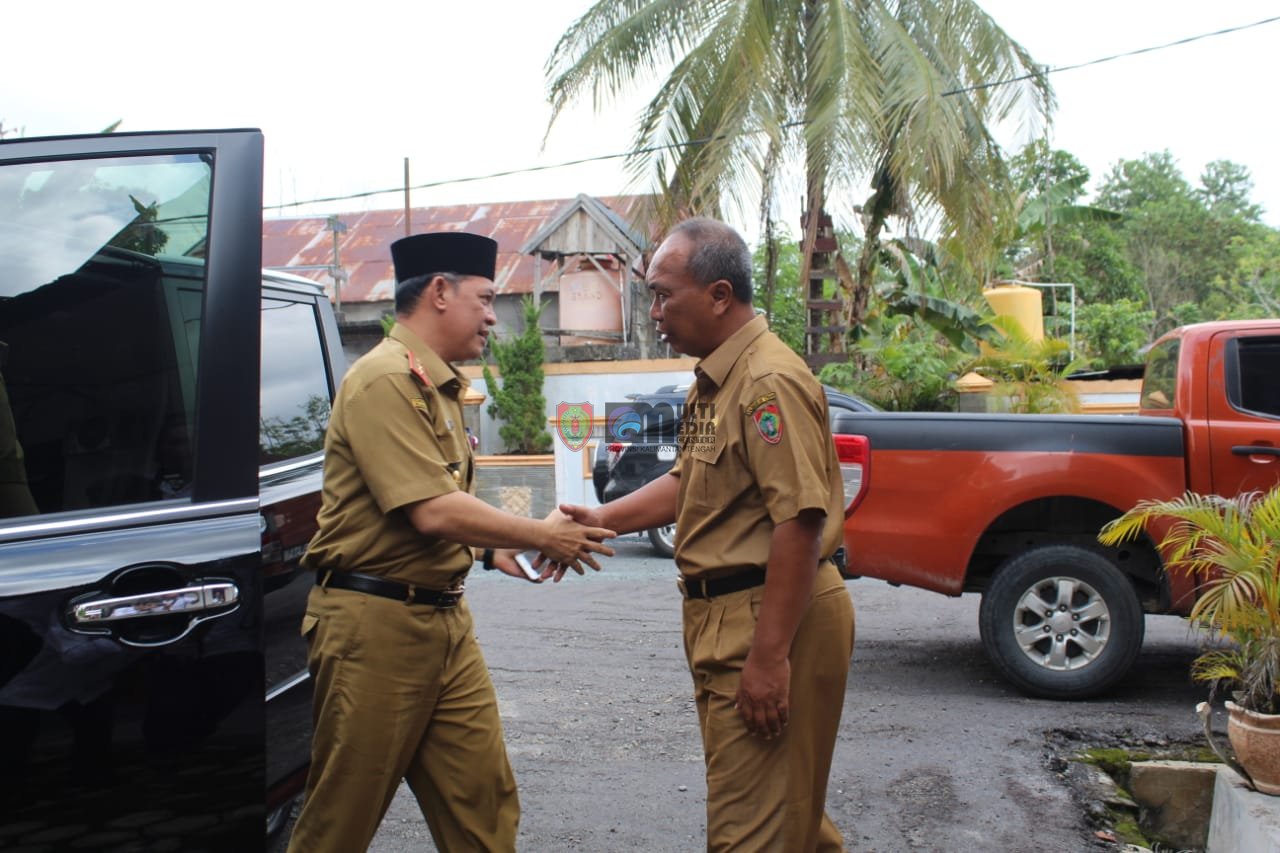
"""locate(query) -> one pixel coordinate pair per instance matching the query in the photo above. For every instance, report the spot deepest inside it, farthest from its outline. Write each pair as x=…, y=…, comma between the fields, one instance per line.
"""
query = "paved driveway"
x=936, y=753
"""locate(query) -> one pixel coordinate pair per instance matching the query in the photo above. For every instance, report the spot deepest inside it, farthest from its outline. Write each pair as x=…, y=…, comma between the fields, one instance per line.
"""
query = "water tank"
x=590, y=301
x=1023, y=304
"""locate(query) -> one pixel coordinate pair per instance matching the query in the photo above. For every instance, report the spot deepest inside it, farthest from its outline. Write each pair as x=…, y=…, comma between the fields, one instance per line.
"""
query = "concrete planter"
x=1256, y=740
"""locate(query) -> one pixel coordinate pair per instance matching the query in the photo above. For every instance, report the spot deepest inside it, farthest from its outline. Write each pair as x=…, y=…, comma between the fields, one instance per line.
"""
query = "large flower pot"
x=1256, y=740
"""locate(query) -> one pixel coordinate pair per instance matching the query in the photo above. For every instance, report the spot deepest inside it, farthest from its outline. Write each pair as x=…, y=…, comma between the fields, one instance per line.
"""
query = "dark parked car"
x=621, y=467
x=159, y=474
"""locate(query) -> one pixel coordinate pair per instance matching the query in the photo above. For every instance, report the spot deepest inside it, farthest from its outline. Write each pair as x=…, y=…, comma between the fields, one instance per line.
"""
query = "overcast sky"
x=344, y=92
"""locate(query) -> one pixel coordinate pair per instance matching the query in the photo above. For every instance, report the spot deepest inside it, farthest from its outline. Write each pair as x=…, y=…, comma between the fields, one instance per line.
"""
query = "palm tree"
x=902, y=91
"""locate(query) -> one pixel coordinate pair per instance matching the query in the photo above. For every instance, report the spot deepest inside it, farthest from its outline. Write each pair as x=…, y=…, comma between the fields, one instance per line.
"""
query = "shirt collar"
x=716, y=366
x=442, y=374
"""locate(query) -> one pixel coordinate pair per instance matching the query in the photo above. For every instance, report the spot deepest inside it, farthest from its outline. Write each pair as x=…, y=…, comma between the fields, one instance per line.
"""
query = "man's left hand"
x=764, y=693
x=504, y=560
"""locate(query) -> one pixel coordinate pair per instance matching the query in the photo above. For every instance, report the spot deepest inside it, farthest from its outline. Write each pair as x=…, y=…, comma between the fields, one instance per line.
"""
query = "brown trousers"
x=402, y=692
x=769, y=795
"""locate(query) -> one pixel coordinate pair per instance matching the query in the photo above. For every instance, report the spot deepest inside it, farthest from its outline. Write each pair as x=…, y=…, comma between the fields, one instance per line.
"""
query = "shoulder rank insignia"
x=751, y=407
x=421, y=405
x=416, y=369
x=767, y=416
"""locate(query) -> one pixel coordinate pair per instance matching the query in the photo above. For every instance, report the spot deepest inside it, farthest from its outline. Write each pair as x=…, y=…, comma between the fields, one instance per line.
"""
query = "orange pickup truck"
x=1010, y=506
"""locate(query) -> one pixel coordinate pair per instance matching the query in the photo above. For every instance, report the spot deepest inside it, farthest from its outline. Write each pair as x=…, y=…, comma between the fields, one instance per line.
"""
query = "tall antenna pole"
x=407, y=224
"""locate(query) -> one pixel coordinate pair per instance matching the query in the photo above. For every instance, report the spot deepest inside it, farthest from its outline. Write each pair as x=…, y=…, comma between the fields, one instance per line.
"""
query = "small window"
x=295, y=382
x=1160, y=381
x=102, y=279
x=1259, y=385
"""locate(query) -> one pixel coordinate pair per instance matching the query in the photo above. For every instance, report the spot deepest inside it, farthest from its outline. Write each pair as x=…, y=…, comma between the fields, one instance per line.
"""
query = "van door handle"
x=188, y=599
x=1255, y=450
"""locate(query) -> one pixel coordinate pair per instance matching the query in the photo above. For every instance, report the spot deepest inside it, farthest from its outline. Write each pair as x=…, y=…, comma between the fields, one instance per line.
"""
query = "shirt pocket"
x=451, y=437
x=702, y=465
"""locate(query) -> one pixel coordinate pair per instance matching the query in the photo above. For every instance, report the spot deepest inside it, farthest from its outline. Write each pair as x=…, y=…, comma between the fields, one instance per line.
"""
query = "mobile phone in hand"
x=525, y=561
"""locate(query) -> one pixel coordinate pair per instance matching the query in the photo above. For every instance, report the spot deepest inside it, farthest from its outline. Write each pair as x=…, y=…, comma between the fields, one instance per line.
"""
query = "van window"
x=295, y=384
x=1258, y=389
x=101, y=285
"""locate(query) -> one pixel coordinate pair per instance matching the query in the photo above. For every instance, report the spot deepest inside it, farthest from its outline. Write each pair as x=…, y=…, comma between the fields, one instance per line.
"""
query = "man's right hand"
x=584, y=514
x=568, y=541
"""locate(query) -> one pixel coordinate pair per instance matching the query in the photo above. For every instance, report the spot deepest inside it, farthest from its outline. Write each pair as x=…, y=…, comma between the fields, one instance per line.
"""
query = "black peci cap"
x=444, y=251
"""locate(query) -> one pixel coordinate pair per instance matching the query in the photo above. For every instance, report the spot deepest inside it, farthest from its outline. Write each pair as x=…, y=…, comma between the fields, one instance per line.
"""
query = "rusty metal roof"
x=363, y=249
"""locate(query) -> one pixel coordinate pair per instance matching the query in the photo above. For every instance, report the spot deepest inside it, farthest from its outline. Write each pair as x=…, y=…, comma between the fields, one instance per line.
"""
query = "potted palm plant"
x=1232, y=546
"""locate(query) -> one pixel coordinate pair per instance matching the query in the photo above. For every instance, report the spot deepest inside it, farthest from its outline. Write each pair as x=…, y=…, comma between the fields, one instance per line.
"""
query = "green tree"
x=1169, y=236
x=1254, y=279
x=1093, y=255
x=519, y=401
x=1185, y=242
x=1225, y=189
x=895, y=91
x=783, y=301
x=1046, y=208
x=1112, y=333
x=906, y=367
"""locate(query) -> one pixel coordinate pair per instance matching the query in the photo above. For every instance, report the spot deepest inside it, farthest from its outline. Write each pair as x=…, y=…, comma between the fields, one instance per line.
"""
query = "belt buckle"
x=695, y=587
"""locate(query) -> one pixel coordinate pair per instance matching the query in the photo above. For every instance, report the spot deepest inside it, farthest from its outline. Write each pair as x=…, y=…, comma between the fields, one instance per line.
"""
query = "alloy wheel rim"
x=1061, y=623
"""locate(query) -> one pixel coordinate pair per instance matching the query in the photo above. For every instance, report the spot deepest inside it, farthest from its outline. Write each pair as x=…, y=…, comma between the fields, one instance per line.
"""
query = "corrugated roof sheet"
x=363, y=249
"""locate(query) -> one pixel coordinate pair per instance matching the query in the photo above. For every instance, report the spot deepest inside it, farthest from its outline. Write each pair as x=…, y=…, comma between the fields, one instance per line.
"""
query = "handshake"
x=569, y=537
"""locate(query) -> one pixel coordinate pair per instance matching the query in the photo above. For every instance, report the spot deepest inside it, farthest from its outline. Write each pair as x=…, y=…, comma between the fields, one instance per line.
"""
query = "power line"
x=692, y=142
x=1060, y=68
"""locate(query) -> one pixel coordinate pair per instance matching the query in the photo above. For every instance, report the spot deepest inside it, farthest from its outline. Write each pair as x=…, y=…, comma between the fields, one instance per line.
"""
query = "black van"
x=162, y=412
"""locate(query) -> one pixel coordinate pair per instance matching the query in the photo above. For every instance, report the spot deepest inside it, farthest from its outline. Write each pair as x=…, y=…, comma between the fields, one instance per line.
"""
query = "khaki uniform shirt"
x=755, y=450
x=396, y=436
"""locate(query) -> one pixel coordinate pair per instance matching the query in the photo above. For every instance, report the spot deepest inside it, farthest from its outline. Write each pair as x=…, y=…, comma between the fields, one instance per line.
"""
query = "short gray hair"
x=409, y=291
x=718, y=252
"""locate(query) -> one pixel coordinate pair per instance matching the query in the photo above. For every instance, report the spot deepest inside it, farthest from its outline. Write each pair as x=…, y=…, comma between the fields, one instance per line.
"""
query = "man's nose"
x=655, y=310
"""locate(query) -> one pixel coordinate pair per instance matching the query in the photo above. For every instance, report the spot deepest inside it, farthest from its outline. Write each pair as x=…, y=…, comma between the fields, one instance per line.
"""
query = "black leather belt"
x=408, y=593
x=711, y=587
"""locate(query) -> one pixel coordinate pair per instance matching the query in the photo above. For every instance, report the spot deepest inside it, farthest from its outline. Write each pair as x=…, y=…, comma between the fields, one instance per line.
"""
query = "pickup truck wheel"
x=1061, y=622
x=663, y=540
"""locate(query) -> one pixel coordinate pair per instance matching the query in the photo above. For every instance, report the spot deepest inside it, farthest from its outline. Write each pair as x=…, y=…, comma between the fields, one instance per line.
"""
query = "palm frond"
x=1232, y=545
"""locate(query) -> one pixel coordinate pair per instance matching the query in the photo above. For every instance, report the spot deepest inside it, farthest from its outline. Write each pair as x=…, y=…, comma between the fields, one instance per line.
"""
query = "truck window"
x=101, y=281
x=295, y=383
x=1160, y=380
x=1256, y=388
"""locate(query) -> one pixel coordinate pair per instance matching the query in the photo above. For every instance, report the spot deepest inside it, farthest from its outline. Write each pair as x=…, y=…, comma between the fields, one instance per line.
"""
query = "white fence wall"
x=596, y=383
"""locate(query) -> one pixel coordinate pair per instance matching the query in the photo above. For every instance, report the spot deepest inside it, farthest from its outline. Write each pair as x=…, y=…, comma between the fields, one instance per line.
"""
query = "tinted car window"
x=295, y=384
x=90, y=416
x=1259, y=385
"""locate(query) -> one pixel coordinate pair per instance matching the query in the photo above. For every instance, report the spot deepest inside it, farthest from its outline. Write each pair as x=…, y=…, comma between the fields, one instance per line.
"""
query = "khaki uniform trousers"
x=769, y=795
x=402, y=692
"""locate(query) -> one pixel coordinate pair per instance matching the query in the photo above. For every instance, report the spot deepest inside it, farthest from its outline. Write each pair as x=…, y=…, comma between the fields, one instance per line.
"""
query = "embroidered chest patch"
x=767, y=417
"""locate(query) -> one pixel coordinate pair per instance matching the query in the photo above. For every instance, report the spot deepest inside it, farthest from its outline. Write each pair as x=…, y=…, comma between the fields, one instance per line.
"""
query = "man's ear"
x=721, y=296
x=436, y=293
